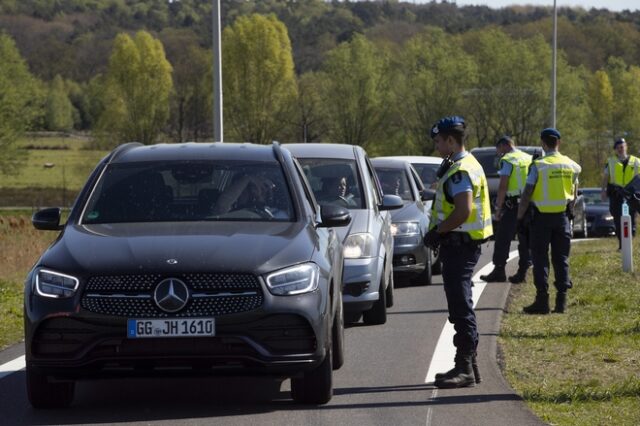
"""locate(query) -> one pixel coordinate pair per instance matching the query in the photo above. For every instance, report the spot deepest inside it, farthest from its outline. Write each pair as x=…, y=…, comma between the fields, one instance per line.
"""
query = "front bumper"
x=361, y=283
x=409, y=254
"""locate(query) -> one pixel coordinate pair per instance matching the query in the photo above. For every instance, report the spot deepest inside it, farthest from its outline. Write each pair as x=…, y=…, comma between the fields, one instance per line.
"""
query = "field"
x=55, y=170
x=582, y=367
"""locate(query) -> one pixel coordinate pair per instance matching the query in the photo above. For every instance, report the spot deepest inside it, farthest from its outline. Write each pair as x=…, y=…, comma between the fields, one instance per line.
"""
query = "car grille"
x=210, y=295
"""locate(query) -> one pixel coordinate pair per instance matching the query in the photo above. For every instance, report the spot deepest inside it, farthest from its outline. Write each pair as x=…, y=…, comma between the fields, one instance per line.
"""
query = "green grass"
x=582, y=367
x=11, y=329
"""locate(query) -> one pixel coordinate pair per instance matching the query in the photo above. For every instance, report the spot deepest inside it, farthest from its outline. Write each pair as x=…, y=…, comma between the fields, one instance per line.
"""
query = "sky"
x=614, y=5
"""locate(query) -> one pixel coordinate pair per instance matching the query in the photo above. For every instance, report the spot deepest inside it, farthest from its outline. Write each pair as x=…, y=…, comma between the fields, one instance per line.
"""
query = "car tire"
x=571, y=233
x=436, y=266
x=315, y=386
x=585, y=228
x=424, y=277
x=378, y=314
x=390, y=290
x=337, y=337
x=45, y=394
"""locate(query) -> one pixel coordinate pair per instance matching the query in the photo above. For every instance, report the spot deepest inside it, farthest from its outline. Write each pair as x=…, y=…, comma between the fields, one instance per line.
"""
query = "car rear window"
x=488, y=160
x=334, y=181
x=178, y=191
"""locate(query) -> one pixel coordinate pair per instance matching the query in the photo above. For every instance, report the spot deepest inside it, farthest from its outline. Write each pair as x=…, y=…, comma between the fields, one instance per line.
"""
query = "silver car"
x=343, y=175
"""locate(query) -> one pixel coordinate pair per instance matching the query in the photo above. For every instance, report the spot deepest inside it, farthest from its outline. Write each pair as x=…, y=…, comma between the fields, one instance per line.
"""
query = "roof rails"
x=121, y=149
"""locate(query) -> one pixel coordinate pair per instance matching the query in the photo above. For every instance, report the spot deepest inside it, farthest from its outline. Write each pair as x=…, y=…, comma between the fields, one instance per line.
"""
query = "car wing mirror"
x=428, y=195
x=47, y=219
x=391, y=202
x=334, y=216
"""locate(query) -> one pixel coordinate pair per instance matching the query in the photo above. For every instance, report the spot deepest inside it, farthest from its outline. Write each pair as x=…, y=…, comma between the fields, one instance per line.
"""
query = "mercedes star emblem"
x=172, y=261
x=171, y=295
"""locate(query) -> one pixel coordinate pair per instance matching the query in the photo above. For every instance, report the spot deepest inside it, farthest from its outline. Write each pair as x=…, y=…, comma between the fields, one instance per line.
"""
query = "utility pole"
x=217, y=75
x=554, y=65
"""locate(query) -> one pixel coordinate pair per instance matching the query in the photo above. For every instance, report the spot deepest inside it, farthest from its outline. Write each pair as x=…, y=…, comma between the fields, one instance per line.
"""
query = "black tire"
x=378, y=314
x=337, y=337
x=424, y=277
x=436, y=265
x=390, y=290
x=315, y=386
x=585, y=228
x=571, y=229
x=45, y=394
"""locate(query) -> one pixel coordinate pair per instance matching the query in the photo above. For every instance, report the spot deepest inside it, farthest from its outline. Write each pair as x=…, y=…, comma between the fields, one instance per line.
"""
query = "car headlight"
x=295, y=280
x=607, y=218
x=405, y=228
x=55, y=284
x=358, y=246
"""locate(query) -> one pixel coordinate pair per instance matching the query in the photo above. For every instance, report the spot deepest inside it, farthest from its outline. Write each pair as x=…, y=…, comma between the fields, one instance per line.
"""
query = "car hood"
x=408, y=213
x=256, y=247
x=359, y=223
x=596, y=209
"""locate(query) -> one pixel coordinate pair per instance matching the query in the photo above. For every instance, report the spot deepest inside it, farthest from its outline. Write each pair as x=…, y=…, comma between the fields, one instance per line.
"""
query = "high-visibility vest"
x=619, y=175
x=520, y=162
x=478, y=224
x=555, y=185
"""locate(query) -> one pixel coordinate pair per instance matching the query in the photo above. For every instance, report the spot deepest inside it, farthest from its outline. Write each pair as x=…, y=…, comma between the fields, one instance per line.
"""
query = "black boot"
x=461, y=376
x=519, y=277
x=496, y=276
x=561, y=303
x=540, y=306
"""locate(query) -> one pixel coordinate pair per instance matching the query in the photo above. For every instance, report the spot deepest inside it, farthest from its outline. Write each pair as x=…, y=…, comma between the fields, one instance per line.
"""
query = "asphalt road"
x=381, y=383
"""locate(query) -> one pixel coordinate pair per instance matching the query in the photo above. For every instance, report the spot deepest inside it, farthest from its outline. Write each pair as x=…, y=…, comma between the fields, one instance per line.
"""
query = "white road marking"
x=433, y=397
x=445, y=351
x=12, y=366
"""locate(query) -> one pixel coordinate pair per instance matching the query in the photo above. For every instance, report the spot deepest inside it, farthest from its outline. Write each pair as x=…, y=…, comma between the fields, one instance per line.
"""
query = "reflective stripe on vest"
x=620, y=177
x=478, y=224
x=520, y=162
x=555, y=184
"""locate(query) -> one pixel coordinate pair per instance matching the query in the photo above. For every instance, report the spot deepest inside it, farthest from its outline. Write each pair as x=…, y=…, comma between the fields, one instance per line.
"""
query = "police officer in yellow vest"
x=512, y=169
x=619, y=171
x=551, y=186
x=461, y=222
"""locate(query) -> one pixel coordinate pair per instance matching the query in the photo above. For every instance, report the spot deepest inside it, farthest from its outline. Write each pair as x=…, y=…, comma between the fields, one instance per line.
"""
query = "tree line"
x=373, y=88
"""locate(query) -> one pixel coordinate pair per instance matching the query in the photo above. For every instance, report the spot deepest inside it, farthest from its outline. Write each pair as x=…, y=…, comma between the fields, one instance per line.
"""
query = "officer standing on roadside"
x=551, y=186
x=619, y=171
x=462, y=222
x=512, y=169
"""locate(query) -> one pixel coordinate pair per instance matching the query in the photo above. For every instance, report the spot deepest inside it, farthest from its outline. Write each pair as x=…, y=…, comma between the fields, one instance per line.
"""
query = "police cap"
x=618, y=141
x=550, y=131
x=447, y=123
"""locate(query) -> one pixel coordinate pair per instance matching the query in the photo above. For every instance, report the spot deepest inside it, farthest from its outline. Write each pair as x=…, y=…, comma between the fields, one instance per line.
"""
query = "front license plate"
x=183, y=327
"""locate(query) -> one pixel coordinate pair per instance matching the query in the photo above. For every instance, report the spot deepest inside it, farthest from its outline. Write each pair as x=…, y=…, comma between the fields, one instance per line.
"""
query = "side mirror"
x=47, y=219
x=391, y=202
x=428, y=195
x=334, y=216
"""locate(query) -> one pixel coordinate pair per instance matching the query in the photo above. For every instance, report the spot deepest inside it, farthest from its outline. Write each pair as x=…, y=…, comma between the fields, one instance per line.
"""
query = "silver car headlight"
x=405, y=228
x=607, y=218
x=295, y=280
x=358, y=246
x=54, y=284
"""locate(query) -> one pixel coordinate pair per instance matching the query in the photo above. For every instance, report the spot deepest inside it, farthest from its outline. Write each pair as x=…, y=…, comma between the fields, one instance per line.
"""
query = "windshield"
x=427, y=173
x=334, y=181
x=394, y=182
x=179, y=191
x=592, y=198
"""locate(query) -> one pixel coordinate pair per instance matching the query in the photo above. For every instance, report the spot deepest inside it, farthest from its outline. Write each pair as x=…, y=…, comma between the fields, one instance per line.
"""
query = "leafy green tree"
x=136, y=95
x=433, y=74
x=625, y=81
x=59, y=110
x=259, y=85
x=20, y=104
x=311, y=124
x=356, y=94
x=600, y=101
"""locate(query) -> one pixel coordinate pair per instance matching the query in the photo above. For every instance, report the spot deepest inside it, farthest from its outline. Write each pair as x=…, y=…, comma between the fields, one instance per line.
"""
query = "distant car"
x=188, y=258
x=410, y=223
x=427, y=169
x=488, y=159
x=342, y=175
x=599, y=219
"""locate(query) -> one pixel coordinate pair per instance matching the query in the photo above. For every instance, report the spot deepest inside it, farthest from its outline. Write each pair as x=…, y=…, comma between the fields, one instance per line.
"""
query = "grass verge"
x=582, y=367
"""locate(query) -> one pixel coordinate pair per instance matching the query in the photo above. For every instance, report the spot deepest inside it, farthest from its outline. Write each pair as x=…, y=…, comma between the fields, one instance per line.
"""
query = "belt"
x=511, y=202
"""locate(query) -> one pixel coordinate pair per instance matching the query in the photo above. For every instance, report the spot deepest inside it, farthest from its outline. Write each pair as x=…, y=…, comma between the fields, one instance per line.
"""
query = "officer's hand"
x=498, y=215
x=432, y=239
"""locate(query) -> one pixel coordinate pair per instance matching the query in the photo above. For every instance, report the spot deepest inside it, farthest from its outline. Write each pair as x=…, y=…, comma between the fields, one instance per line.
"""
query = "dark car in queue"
x=190, y=259
x=342, y=175
x=411, y=258
x=599, y=219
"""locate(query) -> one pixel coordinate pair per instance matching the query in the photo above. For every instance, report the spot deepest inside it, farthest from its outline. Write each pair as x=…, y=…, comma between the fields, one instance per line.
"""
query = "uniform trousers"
x=550, y=229
x=458, y=263
x=505, y=230
x=615, y=208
